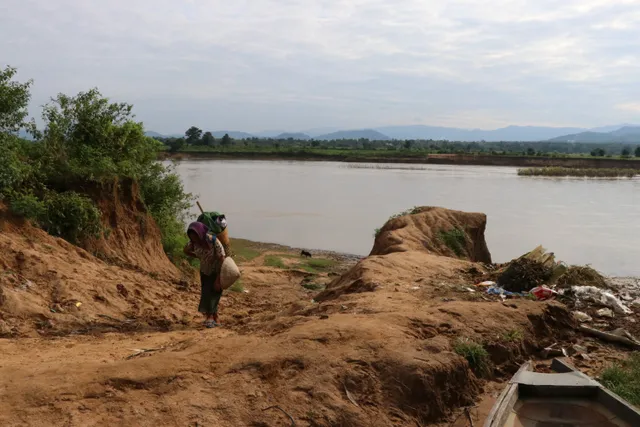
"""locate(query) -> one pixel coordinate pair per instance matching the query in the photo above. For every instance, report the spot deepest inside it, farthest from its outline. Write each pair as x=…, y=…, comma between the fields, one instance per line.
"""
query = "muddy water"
x=334, y=206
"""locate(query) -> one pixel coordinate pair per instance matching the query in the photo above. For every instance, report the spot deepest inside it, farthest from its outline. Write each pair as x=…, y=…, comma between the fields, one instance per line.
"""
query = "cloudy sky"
x=296, y=64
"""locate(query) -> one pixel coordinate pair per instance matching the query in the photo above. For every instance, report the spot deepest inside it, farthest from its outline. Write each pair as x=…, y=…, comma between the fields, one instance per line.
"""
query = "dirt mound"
x=438, y=231
x=402, y=270
x=133, y=238
x=53, y=287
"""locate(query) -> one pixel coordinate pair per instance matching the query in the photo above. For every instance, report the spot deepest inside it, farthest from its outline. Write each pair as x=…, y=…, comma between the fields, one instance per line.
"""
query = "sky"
x=300, y=64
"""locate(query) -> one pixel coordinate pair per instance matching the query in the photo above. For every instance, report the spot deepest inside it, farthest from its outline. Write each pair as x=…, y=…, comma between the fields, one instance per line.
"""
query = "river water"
x=337, y=206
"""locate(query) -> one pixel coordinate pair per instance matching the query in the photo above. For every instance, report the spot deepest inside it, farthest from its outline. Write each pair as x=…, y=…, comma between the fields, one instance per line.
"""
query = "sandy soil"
x=373, y=349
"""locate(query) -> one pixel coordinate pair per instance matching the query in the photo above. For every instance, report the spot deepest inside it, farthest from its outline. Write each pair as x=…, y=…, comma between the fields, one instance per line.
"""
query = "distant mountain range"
x=294, y=135
x=630, y=134
x=614, y=133
x=370, y=134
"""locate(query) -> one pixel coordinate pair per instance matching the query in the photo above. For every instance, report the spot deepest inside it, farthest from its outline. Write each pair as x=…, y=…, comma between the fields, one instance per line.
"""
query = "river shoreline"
x=430, y=159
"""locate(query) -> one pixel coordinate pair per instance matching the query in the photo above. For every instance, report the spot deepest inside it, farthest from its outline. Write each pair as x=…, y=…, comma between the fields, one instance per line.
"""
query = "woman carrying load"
x=208, y=249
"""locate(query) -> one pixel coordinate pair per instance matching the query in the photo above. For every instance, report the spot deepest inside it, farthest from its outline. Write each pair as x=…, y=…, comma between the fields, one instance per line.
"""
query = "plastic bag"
x=543, y=293
x=599, y=296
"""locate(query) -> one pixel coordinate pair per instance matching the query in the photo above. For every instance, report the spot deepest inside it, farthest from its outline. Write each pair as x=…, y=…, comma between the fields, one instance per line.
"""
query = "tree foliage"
x=87, y=139
x=193, y=135
x=208, y=139
x=14, y=98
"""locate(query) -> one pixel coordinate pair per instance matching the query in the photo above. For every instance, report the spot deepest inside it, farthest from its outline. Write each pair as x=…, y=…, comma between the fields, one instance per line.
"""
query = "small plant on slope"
x=476, y=355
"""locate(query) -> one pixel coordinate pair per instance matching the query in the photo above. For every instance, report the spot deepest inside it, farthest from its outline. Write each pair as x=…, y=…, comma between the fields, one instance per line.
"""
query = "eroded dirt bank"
x=375, y=348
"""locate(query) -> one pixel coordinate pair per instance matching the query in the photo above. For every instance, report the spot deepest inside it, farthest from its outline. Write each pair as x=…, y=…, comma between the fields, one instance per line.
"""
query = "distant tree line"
x=195, y=137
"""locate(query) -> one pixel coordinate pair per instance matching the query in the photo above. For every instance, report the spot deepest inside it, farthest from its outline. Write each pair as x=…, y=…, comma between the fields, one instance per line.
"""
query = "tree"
x=315, y=144
x=626, y=152
x=408, y=144
x=175, y=144
x=208, y=139
x=531, y=152
x=598, y=152
x=14, y=98
x=88, y=137
x=226, y=140
x=193, y=135
x=637, y=152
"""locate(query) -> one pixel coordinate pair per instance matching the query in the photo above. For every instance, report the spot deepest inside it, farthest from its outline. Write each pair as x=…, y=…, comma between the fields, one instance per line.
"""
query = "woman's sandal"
x=210, y=324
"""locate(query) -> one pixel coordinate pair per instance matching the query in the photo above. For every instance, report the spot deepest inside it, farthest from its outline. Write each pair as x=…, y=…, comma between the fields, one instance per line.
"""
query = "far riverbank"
x=434, y=159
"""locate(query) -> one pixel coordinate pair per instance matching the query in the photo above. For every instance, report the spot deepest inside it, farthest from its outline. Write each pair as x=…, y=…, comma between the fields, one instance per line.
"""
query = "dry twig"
x=293, y=422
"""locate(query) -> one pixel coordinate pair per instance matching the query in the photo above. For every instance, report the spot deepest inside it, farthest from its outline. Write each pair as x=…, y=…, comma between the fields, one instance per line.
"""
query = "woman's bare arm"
x=188, y=251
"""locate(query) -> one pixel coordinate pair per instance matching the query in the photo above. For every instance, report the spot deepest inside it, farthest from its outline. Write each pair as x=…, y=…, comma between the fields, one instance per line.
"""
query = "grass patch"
x=414, y=210
x=274, y=261
x=237, y=287
x=454, y=239
x=314, y=286
x=513, y=335
x=320, y=263
x=624, y=379
x=243, y=251
x=579, y=172
x=476, y=355
x=316, y=265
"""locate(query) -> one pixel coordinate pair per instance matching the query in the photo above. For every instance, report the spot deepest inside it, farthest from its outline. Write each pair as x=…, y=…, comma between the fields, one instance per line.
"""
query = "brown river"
x=337, y=206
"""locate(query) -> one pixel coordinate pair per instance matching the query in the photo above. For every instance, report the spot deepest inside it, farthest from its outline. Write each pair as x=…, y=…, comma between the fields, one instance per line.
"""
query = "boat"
x=564, y=398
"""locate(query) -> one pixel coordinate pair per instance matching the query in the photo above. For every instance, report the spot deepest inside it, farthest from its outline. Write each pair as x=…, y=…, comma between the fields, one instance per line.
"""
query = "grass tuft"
x=624, y=379
x=513, y=335
x=476, y=355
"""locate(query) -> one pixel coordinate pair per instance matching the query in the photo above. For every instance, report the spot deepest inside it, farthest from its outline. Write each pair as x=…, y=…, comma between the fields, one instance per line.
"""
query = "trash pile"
x=529, y=271
x=527, y=276
x=537, y=275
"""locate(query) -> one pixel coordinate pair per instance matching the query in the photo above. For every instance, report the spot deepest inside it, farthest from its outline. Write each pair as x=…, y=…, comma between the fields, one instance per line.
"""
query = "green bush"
x=165, y=198
x=71, y=216
x=29, y=206
x=86, y=139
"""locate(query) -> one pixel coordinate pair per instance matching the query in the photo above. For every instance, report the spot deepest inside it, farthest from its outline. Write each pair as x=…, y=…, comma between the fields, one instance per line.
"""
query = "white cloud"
x=346, y=63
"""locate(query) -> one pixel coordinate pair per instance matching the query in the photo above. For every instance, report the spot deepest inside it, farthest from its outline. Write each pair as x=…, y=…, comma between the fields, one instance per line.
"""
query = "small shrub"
x=71, y=216
x=624, y=379
x=274, y=261
x=476, y=355
x=29, y=206
x=454, y=239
